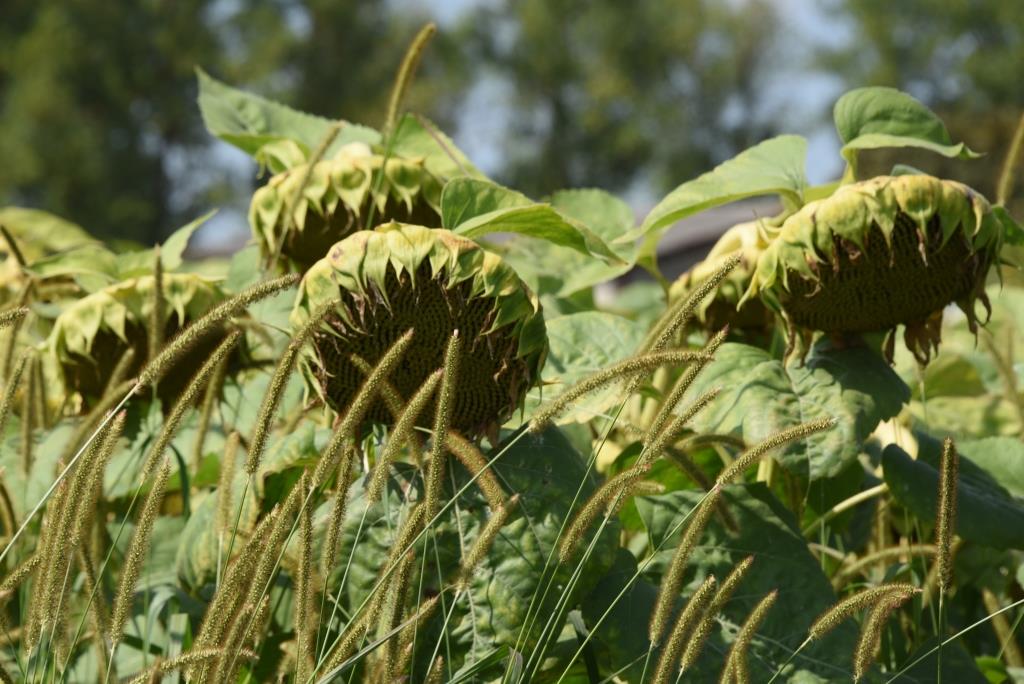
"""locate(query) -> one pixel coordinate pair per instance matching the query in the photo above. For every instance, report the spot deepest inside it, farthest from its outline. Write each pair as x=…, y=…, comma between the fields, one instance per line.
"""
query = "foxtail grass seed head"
x=871, y=633
x=12, y=316
x=278, y=383
x=187, y=400
x=945, y=523
x=673, y=578
x=443, y=421
x=756, y=453
x=388, y=392
x=18, y=575
x=482, y=546
x=667, y=669
x=231, y=592
x=303, y=617
x=842, y=610
x=636, y=365
x=659, y=444
x=138, y=549
x=11, y=388
x=736, y=661
x=702, y=630
x=370, y=389
x=11, y=327
x=209, y=322
x=394, y=609
x=185, y=660
x=406, y=72
x=599, y=501
x=677, y=315
x=337, y=519
x=477, y=464
x=436, y=673
x=228, y=466
x=211, y=401
x=679, y=389
x=399, y=436
x=361, y=403
x=157, y=307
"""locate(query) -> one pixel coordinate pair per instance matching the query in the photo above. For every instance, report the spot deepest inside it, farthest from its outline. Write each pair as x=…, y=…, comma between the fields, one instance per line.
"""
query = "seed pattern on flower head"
x=403, y=277
x=893, y=250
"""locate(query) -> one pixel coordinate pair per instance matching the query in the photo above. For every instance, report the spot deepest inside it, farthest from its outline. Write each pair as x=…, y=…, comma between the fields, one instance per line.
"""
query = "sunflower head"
x=332, y=198
x=401, y=277
x=752, y=320
x=890, y=251
x=91, y=336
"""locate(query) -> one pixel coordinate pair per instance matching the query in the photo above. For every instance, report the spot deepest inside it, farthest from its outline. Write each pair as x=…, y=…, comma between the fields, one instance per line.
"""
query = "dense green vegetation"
x=398, y=437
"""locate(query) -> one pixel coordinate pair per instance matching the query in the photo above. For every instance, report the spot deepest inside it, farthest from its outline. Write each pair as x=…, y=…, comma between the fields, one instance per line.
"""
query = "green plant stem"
x=1006, y=176
x=846, y=505
x=949, y=640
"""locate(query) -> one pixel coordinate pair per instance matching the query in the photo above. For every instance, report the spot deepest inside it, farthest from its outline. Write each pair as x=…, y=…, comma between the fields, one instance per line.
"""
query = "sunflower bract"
x=400, y=277
x=91, y=335
x=752, y=319
x=336, y=199
x=893, y=250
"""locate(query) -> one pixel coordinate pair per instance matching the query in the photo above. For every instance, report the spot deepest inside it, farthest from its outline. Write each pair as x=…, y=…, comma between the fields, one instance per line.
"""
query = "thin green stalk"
x=158, y=307
x=1006, y=177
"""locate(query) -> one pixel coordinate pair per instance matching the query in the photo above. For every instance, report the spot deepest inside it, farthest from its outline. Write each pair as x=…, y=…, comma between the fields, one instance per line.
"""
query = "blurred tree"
x=964, y=58
x=97, y=99
x=613, y=94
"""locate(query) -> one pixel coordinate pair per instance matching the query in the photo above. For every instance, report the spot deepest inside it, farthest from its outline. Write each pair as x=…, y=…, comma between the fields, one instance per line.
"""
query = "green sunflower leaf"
x=990, y=510
x=761, y=396
x=772, y=167
x=473, y=208
x=249, y=121
x=876, y=117
x=766, y=530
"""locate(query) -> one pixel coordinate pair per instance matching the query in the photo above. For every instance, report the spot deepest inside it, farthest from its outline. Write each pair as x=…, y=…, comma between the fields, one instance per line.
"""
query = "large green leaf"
x=94, y=266
x=986, y=512
x=875, y=117
x=249, y=121
x=561, y=272
x=580, y=345
x=416, y=137
x=1000, y=457
x=39, y=232
x=772, y=167
x=766, y=530
x=760, y=395
x=473, y=207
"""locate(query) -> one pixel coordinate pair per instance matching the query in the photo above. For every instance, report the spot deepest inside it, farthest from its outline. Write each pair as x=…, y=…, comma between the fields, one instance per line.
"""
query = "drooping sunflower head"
x=752, y=319
x=332, y=198
x=890, y=251
x=91, y=336
x=401, y=277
